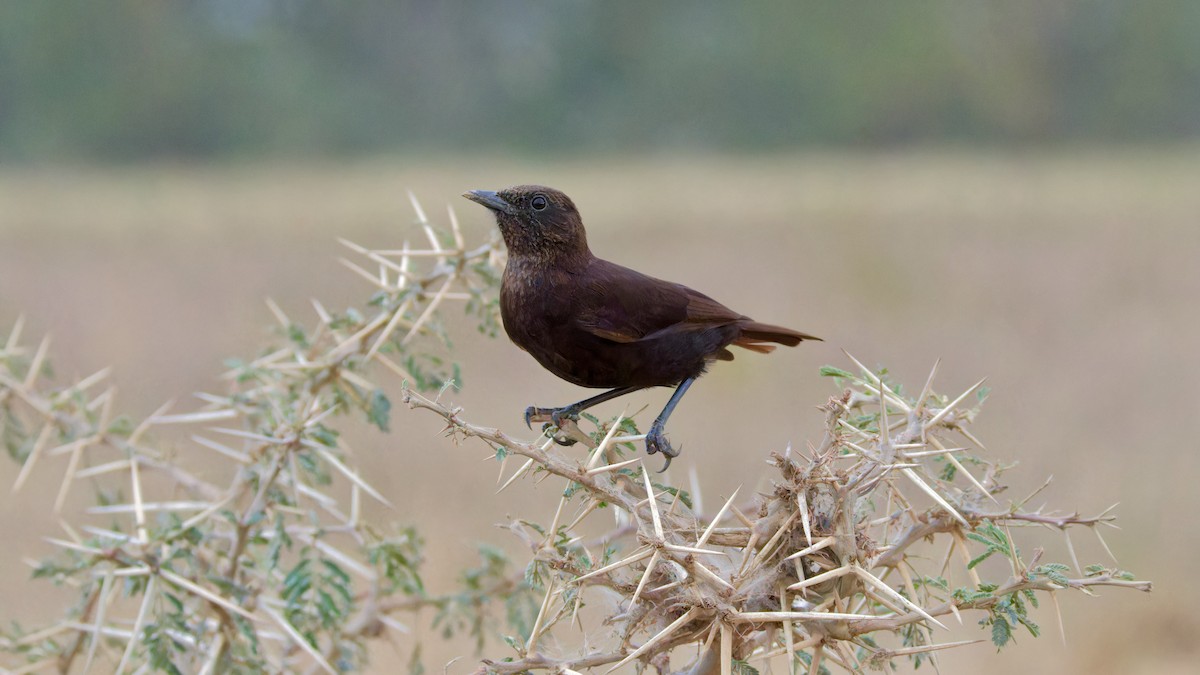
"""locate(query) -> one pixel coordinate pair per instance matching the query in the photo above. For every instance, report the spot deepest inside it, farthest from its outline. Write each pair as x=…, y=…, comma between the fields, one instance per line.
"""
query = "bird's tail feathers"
x=753, y=334
x=753, y=346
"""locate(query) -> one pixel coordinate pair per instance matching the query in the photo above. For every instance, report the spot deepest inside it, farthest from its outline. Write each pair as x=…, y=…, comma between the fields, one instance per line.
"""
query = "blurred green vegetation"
x=133, y=79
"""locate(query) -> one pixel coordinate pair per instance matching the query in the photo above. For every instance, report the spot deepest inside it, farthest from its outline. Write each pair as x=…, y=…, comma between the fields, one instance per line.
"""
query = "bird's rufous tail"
x=754, y=335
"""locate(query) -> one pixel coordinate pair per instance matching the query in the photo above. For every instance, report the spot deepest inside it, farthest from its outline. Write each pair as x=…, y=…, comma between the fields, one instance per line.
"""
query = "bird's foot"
x=561, y=440
x=559, y=417
x=556, y=415
x=656, y=441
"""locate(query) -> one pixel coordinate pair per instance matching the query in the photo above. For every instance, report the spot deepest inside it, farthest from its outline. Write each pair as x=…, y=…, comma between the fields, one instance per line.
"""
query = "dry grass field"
x=1071, y=280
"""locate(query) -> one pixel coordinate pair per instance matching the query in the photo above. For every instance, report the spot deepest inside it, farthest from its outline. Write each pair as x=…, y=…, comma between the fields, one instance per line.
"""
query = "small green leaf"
x=949, y=471
x=806, y=659
x=1053, y=572
x=378, y=299
x=743, y=668
x=296, y=335
x=324, y=435
x=415, y=665
x=937, y=582
x=122, y=426
x=980, y=558
x=379, y=410
x=1001, y=632
x=676, y=492
x=832, y=371
x=571, y=489
x=176, y=603
x=336, y=571
x=1031, y=597
x=1032, y=627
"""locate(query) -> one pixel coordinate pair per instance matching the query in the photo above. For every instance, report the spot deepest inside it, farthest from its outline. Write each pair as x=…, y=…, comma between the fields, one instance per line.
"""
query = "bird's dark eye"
x=538, y=202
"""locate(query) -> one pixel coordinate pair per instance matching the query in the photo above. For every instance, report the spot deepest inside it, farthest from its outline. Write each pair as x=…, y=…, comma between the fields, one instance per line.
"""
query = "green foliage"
x=683, y=495
x=430, y=372
x=939, y=583
x=379, y=409
x=274, y=544
x=415, y=665
x=399, y=560
x=1052, y=571
x=1098, y=570
x=305, y=78
x=742, y=668
x=296, y=334
x=949, y=471
x=319, y=596
x=17, y=442
x=628, y=427
x=1004, y=616
x=994, y=539
x=489, y=583
x=161, y=647
x=912, y=636
x=833, y=371
x=535, y=574
x=968, y=596
x=271, y=573
x=805, y=661
x=485, y=307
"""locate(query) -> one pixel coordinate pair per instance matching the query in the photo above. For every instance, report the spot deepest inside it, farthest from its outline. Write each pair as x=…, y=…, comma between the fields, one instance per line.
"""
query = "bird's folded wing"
x=641, y=307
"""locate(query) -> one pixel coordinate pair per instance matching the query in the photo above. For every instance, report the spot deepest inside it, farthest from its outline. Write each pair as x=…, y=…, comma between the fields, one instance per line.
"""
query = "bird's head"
x=535, y=221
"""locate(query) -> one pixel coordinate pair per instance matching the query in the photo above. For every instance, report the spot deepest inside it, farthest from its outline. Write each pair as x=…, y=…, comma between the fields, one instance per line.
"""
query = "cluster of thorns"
x=820, y=568
x=816, y=571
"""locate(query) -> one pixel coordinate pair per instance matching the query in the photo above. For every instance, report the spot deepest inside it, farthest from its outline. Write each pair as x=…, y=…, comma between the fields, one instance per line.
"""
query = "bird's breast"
x=539, y=309
x=533, y=304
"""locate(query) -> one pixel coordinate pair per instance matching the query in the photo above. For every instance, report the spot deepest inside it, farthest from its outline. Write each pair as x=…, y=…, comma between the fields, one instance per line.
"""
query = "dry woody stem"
x=858, y=553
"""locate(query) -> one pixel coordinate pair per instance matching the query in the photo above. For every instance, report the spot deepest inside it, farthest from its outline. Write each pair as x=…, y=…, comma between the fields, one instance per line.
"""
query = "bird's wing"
x=622, y=305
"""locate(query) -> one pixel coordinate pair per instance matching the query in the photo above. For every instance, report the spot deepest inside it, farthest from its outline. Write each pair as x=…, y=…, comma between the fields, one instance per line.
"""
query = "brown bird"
x=597, y=324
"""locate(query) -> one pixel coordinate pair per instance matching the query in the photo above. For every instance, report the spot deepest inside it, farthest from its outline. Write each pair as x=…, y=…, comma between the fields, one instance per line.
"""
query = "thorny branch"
x=270, y=572
x=806, y=571
x=836, y=565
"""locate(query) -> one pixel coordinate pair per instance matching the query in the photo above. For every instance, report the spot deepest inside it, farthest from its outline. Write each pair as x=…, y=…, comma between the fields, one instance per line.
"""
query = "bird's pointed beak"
x=491, y=200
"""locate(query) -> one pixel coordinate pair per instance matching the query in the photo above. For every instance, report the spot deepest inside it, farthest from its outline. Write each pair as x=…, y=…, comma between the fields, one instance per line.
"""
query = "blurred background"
x=1011, y=187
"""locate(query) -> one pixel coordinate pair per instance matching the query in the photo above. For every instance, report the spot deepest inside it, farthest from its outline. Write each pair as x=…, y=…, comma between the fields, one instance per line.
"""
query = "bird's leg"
x=559, y=416
x=656, y=440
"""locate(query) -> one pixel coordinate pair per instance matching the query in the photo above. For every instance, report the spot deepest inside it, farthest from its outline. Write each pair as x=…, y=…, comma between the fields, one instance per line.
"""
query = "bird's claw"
x=566, y=442
x=558, y=418
x=656, y=441
x=532, y=412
